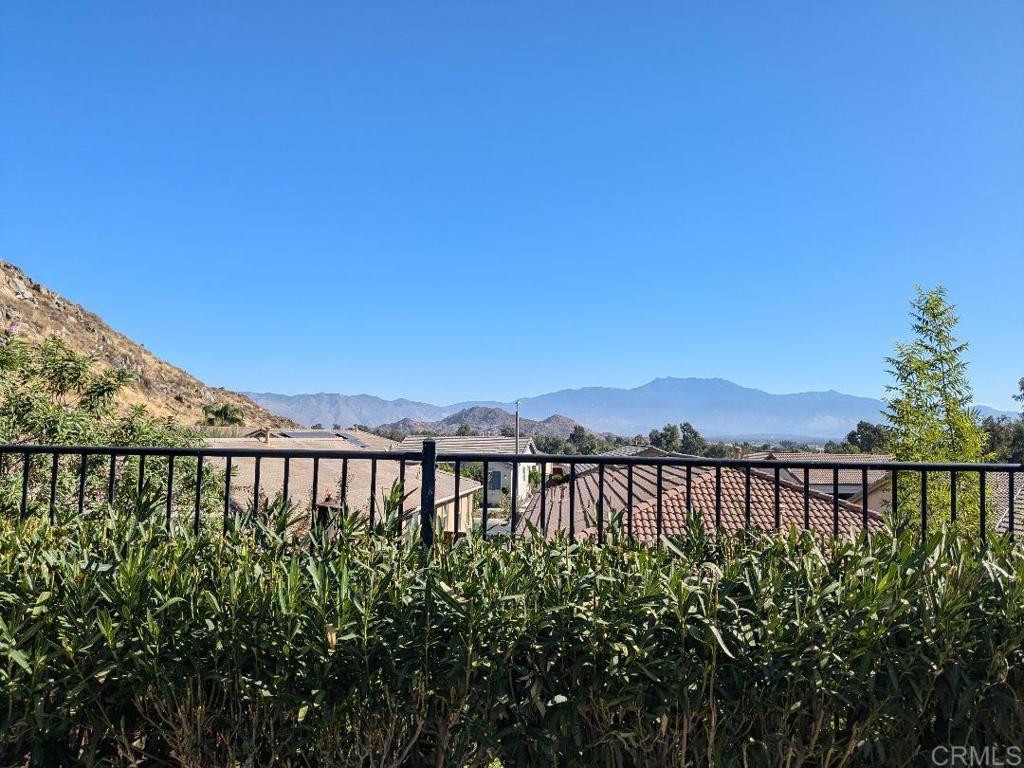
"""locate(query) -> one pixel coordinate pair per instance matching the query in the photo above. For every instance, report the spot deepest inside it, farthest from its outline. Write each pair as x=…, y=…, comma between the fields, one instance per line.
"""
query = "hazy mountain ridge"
x=485, y=421
x=347, y=410
x=719, y=408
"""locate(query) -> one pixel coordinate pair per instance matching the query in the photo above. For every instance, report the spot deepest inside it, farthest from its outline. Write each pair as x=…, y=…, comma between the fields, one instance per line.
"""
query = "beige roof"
x=300, y=475
x=341, y=439
x=824, y=476
x=470, y=444
x=762, y=501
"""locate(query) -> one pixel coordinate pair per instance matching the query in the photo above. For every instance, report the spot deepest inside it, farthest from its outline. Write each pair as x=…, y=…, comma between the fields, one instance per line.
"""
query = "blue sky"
x=446, y=201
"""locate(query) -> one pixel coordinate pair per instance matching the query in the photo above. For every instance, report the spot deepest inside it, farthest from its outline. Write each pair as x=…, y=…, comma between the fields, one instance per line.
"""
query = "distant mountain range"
x=484, y=421
x=718, y=408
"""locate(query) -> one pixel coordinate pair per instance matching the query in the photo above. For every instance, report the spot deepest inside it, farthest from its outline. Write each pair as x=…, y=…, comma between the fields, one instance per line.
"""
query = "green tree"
x=667, y=438
x=718, y=450
x=868, y=437
x=464, y=430
x=507, y=432
x=691, y=441
x=929, y=408
x=584, y=442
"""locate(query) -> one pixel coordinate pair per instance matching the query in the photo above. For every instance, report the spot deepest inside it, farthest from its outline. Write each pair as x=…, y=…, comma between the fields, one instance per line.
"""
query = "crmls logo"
x=978, y=757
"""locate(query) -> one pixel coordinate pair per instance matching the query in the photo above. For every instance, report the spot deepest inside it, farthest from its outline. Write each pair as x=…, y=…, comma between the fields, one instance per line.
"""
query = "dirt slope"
x=33, y=312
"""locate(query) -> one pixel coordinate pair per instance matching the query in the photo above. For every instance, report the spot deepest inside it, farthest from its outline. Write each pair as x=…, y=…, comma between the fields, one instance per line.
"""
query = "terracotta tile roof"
x=762, y=501
x=824, y=476
x=997, y=491
x=469, y=444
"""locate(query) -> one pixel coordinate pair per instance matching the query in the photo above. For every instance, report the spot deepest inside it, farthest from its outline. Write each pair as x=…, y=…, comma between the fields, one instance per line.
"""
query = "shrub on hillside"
x=124, y=642
x=50, y=394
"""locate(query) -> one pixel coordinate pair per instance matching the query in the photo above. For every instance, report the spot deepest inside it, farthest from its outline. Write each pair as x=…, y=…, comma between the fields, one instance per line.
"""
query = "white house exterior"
x=499, y=473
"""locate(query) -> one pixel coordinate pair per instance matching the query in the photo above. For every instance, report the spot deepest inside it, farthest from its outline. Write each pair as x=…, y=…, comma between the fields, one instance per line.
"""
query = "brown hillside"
x=33, y=312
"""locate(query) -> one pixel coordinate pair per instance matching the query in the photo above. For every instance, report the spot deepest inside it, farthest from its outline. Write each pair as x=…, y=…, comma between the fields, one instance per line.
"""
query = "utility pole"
x=517, y=426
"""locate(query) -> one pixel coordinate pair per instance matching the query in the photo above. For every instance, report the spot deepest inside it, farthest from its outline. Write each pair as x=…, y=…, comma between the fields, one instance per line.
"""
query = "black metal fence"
x=580, y=495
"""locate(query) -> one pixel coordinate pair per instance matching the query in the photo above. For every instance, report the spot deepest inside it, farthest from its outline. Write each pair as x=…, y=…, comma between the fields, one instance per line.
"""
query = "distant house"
x=587, y=489
x=364, y=479
x=499, y=473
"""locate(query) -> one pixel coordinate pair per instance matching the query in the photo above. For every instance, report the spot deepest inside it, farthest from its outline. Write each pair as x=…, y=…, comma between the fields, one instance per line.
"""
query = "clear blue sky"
x=448, y=200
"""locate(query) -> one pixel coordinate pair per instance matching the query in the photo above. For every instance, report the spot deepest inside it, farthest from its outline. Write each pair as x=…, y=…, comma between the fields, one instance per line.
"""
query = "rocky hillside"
x=483, y=421
x=33, y=312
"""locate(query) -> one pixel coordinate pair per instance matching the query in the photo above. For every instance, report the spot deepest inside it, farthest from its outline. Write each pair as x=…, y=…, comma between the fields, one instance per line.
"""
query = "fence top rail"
x=209, y=452
x=702, y=461
x=520, y=458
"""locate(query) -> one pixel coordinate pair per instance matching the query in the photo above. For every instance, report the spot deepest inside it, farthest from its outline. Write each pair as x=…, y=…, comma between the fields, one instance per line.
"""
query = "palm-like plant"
x=221, y=415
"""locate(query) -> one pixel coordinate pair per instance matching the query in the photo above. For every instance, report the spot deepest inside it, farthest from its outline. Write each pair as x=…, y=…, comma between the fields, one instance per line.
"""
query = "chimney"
x=737, y=451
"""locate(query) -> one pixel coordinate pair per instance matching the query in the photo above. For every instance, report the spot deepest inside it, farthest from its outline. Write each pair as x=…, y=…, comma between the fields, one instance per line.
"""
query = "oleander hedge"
x=122, y=643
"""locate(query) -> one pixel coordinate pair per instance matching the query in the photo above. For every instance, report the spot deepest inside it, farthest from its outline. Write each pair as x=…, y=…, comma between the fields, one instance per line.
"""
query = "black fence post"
x=427, y=510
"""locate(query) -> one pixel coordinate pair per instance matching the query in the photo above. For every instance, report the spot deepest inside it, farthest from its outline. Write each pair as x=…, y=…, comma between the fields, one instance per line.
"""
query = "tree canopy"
x=929, y=406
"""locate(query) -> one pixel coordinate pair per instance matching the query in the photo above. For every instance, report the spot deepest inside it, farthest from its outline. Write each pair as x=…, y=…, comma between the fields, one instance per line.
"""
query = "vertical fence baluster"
x=746, y=496
x=835, y=501
x=284, y=483
x=952, y=496
x=344, y=486
x=718, y=495
x=256, y=483
x=629, y=500
x=864, y=497
x=199, y=493
x=112, y=479
x=1013, y=493
x=170, y=488
x=544, y=497
x=924, y=504
x=514, y=506
x=373, y=489
x=54, y=467
x=689, y=489
x=427, y=492
x=142, y=474
x=83, y=468
x=895, y=493
x=659, y=522
x=807, y=498
x=600, y=503
x=484, y=504
x=401, y=504
x=227, y=491
x=982, y=507
x=458, y=500
x=777, y=502
x=26, y=468
x=316, y=483
x=572, y=501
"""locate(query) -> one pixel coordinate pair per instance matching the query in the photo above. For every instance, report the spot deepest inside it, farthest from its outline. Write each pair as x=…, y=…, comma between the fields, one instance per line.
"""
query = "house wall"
x=494, y=496
x=446, y=513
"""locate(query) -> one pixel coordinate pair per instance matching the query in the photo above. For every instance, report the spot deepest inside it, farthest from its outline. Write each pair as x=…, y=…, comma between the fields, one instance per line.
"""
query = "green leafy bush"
x=122, y=642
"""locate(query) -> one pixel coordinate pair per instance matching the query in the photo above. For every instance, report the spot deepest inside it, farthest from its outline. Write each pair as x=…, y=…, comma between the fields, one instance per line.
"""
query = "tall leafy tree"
x=929, y=407
x=667, y=438
x=691, y=441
